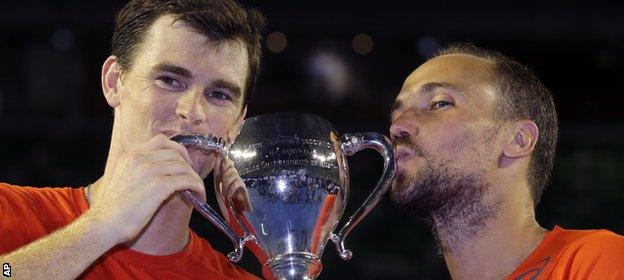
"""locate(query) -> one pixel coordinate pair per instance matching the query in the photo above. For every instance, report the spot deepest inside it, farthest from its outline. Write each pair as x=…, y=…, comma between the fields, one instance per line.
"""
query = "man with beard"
x=177, y=67
x=475, y=135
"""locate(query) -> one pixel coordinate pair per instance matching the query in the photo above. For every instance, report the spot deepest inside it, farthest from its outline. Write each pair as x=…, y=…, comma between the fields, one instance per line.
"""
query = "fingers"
x=142, y=179
x=174, y=167
x=233, y=186
x=232, y=181
x=163, y=155
x=240, y=199
x=175, y=183
x=170, y=161
x=217, y=166
x=229, y=177
x=161, y=142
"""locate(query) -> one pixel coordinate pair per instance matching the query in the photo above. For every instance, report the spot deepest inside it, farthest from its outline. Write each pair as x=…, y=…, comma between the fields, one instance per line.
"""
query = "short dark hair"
x=219, y=20
x=522, y=96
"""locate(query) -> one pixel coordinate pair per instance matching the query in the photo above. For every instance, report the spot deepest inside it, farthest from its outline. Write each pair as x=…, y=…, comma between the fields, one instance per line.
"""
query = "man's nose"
x=403, y=126
x=192, y=108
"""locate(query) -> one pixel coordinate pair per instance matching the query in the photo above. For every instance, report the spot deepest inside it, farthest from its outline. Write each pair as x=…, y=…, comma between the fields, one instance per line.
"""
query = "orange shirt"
x=575, y=254
x=27, y=214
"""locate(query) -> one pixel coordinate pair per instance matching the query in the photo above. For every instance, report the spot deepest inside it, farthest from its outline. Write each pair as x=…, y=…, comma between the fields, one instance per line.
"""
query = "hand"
x=141, y=181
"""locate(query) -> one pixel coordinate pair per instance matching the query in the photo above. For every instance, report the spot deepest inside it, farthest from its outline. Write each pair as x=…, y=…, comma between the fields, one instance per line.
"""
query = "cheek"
x=449, y=139
x=137, y=112
x=221, y=122
x=459, y=143
x=467, y=150
x=162, y=108
x=453, y=141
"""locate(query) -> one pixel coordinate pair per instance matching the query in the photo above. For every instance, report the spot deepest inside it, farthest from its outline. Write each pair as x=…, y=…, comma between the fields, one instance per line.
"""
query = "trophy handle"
x=351, y=144
x=211, y=144
x=215, y=219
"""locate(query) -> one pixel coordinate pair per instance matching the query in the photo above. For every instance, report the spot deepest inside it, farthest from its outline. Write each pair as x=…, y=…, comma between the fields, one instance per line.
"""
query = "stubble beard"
x=451, y=201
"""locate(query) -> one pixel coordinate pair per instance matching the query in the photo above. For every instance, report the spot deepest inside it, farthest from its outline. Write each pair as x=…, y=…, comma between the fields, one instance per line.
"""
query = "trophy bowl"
x=290, y=189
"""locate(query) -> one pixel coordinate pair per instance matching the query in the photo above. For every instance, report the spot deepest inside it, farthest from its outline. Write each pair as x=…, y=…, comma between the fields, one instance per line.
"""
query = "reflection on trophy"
x=286, y=188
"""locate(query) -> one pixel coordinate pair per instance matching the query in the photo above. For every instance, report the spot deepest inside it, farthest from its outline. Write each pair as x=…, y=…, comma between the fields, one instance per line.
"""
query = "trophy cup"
x=296, y=186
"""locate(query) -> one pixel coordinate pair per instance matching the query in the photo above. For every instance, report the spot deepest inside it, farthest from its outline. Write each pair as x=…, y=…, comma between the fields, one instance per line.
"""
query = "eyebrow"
x=236, y=91
x=428, y=88
x=171, y=68
x=397, y=105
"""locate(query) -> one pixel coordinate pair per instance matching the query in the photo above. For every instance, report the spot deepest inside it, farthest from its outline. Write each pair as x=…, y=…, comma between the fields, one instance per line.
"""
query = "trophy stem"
x=292, y=266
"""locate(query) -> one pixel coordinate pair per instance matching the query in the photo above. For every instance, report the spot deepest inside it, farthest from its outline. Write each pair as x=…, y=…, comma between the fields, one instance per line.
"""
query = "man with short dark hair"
x=184, y=66
x=475, y=135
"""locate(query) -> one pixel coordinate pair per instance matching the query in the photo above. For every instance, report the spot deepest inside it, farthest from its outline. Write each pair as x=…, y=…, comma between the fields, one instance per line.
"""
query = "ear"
x=233, y=132
x=523, y=140
x=111, y=80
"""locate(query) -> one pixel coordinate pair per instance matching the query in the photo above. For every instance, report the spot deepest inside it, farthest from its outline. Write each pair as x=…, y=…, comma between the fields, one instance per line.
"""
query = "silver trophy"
x=295, y=188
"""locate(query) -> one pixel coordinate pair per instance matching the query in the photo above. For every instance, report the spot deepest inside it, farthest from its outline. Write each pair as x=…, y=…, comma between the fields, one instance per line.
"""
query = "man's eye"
x=169, y=83
x=219, y=95
x=440, y=104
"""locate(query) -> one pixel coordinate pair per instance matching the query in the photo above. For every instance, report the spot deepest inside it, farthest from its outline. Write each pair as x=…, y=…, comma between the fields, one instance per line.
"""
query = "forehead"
x=468, y=74
x=176, y=42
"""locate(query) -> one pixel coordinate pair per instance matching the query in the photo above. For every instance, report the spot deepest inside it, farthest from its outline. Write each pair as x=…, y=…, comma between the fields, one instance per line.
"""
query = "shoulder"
x=56, y=205
x=6, y=189
x=597, y=253
x=35, y=195
x=598, y=243
x=12, y=194
x=22, y=191
x=22, y=220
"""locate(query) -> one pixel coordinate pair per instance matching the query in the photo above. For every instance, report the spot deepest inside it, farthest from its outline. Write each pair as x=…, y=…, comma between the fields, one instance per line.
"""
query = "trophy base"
x=292, y=266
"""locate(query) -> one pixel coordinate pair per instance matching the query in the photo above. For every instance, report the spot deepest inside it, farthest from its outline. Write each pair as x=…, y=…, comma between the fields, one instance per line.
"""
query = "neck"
x=496, y=247
x=166, y=233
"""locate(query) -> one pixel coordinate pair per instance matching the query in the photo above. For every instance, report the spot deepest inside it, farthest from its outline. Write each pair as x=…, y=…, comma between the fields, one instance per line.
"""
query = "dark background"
x=55, y=124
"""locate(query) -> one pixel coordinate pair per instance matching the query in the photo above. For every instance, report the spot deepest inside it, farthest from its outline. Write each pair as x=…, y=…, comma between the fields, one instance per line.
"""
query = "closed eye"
x=219, y=95
x=440, y=105
x=170, y=83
